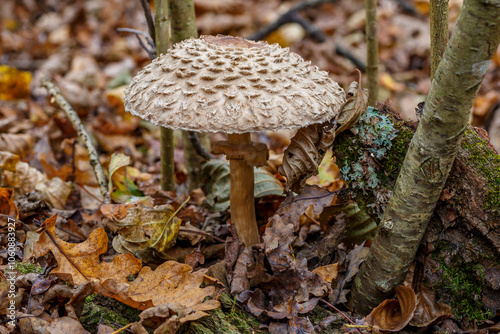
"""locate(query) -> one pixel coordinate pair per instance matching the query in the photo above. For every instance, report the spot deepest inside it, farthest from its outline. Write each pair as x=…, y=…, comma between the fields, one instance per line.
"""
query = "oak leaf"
x=428, y=309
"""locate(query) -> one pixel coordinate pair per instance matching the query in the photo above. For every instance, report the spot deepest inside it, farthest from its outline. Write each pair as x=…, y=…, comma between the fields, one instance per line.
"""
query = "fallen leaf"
x=171, y=282
x=294, y=206
x=19, y=143
x=428, y=310
x=7, y=206
x=14, y=84
x=393, y=315
x=79, y=263
x=328, y=272
x=147, y=227
x=24, y=179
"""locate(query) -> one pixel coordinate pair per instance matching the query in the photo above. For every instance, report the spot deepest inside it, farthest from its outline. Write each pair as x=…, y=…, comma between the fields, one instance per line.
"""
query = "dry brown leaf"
x=79, y=263
x=19, y=143
x=293, y=207
x=171, y=282
x=307, y=149
x=302, y=157
x=328, y=272
x=354, y=108
x=24, y=179
x=393, y=315
x=147, y=227
x=428, y=310
x=7, y=206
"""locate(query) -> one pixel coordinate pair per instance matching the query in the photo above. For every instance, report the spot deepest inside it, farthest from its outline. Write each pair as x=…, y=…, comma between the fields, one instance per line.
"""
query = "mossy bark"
x=431, y=153
x=183, y=25
x=167, y=135
x=459, y=255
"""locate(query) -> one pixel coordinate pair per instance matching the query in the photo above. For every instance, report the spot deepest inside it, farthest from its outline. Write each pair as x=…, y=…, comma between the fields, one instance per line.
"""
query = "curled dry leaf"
x=393, y=315
x=307, y=149
x=24, y=179
x=428, y=309
x=355, y=106
x=146, y=227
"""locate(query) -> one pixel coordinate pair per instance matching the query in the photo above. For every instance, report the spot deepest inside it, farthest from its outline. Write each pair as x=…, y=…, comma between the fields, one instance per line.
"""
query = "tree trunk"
x=431, y=153
x=167, y=135
x=463, y=238
x=183, y=25
x=439, y=32
x=371, y=51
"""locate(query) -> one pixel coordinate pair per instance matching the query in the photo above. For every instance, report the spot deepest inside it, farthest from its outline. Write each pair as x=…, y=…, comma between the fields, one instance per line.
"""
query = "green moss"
x=26, y=268
x=230, y=319
x=461, y=285
x=396, y=154
x=488, y=162
x=102, y=310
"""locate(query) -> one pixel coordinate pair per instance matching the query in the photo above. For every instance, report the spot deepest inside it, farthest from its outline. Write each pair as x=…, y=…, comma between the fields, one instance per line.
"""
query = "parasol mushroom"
x=235, y=86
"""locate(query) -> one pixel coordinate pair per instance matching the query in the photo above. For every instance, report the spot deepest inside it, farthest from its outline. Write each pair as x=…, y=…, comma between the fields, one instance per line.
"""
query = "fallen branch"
x=83, y=135
x=292, y=16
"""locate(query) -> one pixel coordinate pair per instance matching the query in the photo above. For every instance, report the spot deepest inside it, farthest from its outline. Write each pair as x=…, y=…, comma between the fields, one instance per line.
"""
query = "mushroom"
x=235, y=86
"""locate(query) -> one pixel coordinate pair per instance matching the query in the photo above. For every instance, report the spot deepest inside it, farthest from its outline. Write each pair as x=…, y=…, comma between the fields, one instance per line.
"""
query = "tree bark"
x=183, y=25
x=431, y=153
x=439, y=32
x=371, y=51
x=167, y=135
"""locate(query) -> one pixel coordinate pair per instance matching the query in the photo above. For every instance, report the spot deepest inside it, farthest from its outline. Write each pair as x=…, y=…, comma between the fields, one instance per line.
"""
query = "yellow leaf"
x=14, y=84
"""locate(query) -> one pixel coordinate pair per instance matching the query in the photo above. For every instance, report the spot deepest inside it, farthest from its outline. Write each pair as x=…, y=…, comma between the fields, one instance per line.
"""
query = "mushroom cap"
x=232, y=85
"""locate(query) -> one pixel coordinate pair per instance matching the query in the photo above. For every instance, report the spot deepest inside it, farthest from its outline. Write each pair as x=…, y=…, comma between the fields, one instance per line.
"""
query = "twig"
x=195, y=142
x=123, y=328
x=84, y=136
x=292, y=16
x=344, y=52
x=149, y=19
x=185, y=230
x=151, y=50
x=312, y=219
x=341, y=313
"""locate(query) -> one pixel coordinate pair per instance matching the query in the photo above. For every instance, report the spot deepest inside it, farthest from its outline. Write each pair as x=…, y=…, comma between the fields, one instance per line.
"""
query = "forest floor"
x=51, y=195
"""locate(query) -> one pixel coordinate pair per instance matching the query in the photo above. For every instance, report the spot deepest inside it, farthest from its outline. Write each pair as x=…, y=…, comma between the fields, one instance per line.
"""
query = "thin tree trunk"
x=431, y=153
x=439, y=32
x=371, y=51
x=167, y=135
x=183, y=25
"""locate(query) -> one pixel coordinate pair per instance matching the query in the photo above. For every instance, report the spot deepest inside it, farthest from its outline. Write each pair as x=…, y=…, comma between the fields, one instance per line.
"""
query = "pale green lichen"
x=376, y=133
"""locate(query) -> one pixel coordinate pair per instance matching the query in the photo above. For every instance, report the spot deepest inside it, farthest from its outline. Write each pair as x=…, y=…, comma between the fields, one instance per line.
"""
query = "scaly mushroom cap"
x=232, y=85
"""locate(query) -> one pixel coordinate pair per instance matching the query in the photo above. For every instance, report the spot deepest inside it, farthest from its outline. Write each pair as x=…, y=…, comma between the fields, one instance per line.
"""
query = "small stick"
x=311, y=218
x=84, y=136
x=344, y=52
x=123, y=328
x=185, y=230
x=198, y=147
x=149, y=19
x=151, y=50
x=341, y=313
x=290, y=16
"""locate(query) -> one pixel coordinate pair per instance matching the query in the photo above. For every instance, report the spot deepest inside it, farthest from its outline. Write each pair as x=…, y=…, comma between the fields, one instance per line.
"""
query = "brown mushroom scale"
x=236, y=86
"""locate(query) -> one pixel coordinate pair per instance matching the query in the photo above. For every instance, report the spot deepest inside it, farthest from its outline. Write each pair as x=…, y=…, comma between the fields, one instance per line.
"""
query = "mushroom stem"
x=242, y=195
